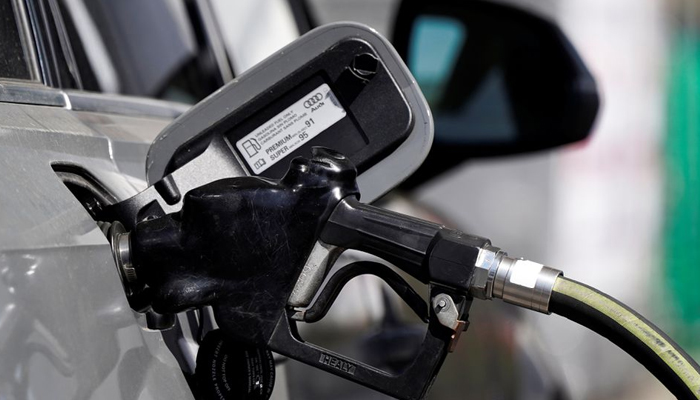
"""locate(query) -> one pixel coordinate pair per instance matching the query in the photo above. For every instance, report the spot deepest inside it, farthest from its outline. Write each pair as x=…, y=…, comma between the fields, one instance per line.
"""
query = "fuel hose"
x=631, y=332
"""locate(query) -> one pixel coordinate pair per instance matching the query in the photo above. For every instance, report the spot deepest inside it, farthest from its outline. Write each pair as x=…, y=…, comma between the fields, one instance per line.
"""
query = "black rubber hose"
x=631, y=332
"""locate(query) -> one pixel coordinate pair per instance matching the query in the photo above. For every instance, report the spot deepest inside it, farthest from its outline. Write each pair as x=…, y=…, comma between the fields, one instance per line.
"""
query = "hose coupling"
x=521, y=282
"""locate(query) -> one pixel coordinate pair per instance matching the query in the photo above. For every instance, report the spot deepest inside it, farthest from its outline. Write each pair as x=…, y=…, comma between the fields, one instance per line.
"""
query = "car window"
x=13, y=61
x=78, y=56
x=161, y=51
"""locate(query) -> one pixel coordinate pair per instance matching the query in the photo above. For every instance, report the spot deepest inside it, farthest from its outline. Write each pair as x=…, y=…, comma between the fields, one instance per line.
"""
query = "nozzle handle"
x=427, y=251
x=400, y=239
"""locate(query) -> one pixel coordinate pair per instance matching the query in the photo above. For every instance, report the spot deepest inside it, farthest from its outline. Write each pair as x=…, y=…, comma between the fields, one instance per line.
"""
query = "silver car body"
x=66, y=328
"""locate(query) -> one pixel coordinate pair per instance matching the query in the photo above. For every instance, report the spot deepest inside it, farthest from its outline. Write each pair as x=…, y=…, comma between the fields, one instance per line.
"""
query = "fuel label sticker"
x=290, y=129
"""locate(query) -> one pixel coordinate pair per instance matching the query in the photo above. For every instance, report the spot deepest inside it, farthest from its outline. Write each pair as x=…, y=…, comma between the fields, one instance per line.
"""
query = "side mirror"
x=498, y=79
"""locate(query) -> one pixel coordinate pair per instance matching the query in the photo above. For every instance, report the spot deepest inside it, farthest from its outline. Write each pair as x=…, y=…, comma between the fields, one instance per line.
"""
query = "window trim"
x=47, y=27
x=23, y=91
x=27, y=40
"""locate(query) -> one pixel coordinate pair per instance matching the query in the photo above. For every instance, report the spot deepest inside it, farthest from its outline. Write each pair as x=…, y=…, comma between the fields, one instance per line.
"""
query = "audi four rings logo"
x=311, y=101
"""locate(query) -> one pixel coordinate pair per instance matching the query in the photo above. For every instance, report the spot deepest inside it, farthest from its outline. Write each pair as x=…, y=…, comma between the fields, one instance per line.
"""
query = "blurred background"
x=619, y=210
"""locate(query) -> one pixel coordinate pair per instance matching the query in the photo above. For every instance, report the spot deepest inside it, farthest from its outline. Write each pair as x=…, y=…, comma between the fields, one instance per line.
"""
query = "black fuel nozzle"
x=258, y=250
x=239, y=244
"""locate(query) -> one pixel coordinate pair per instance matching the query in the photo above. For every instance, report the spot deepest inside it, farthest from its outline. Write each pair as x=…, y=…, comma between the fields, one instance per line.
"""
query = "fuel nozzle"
x=258, y=251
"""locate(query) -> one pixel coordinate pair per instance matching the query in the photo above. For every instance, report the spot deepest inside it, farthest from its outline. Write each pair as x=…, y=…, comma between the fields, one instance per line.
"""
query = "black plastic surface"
x=452, y=258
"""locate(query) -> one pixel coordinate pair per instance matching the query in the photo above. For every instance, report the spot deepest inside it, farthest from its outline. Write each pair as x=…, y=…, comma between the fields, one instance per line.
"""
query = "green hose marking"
x=640, y=329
